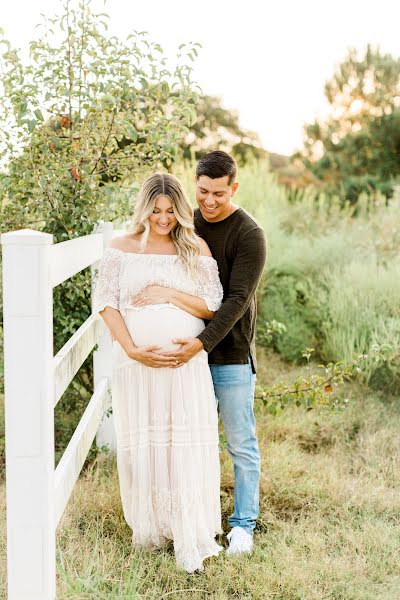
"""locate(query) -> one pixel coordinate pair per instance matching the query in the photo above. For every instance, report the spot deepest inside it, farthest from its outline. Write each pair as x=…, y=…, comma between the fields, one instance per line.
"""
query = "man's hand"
x=147, y=355
x=189, y=348
x=153, y=294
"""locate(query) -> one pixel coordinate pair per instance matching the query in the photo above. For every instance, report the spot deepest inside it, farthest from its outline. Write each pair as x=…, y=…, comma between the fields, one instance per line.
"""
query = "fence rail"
x=71, y=463
x=68, y=258
x=71, y=356
x=36, y=492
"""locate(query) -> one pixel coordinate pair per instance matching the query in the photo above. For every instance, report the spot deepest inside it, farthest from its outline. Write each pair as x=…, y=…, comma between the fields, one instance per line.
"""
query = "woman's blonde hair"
x=185, y=239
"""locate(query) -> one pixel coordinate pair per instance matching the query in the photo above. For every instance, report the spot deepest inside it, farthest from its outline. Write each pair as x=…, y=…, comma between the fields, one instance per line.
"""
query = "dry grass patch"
x=329, y=526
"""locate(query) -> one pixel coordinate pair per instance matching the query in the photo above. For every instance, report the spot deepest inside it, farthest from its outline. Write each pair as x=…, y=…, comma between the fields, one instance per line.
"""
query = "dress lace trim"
x=174, y=510
x=122, y=275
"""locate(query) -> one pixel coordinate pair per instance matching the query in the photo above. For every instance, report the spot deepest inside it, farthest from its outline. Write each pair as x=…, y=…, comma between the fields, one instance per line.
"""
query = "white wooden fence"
x=36, y=492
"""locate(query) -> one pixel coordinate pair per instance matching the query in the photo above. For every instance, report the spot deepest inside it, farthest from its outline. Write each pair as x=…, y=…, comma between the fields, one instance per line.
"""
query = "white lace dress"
x=165, y=419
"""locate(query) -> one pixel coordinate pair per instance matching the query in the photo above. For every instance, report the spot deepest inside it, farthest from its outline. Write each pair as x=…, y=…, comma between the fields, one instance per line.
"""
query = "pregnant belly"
x=159, y=324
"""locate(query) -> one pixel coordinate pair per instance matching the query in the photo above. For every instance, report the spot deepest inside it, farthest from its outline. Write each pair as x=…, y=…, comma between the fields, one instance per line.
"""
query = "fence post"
x=29, y=415
x=102, y=363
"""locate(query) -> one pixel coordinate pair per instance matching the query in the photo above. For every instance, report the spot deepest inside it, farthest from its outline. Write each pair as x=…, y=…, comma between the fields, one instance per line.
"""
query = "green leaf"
x=132, y=133
x=31, y=124
x=5, y=42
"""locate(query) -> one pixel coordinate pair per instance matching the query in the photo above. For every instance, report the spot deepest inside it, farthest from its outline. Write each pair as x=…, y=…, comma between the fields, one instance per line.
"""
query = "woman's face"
x=162, y=220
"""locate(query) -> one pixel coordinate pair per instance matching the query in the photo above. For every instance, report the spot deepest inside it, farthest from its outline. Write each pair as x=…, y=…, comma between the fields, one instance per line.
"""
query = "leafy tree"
x=213, y=127
x=358, y=147
x=216, y=128
x=66, y=113
x=64, y=118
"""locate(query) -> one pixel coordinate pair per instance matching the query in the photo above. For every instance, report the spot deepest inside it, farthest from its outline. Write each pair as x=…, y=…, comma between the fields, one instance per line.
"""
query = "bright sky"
x=267, y=60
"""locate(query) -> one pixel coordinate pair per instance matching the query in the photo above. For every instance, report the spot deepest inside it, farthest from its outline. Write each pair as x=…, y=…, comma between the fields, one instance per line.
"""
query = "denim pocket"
x=228, y=375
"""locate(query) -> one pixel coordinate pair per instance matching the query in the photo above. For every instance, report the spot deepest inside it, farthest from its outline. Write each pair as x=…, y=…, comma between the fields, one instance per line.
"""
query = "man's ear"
x=235, y=187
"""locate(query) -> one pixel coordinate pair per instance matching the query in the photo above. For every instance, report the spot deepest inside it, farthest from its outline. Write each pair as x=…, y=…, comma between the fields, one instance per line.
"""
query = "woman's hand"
x=153, y=294
x=189, y=347
x=158, y=294
x=147, y=355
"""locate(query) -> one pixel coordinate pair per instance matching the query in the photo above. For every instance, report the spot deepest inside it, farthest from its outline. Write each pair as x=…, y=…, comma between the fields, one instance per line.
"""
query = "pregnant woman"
x=165, y=414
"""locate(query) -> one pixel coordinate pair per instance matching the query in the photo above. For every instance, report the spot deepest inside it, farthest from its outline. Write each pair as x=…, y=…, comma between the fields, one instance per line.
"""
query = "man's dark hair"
x=217, y=164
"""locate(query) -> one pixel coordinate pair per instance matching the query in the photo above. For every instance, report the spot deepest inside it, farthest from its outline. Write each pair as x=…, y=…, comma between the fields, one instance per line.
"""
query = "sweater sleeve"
x=247, y=268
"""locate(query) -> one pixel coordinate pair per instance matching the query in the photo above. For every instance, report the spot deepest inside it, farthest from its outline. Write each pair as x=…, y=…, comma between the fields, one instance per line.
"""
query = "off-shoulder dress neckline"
x=152, y=254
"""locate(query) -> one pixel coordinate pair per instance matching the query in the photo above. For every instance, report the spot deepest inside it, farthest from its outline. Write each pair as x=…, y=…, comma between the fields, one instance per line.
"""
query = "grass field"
x=329, y=526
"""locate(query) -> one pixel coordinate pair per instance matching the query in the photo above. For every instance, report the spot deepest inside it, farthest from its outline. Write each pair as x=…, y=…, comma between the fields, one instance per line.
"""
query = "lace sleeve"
x=107, y=282
x=209, y=285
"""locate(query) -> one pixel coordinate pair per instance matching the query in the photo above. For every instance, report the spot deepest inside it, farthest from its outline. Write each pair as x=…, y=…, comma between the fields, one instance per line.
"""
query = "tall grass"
x=363, y=307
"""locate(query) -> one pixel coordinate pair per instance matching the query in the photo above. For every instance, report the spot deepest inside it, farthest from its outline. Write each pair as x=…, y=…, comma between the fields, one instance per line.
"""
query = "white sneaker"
x=239, y=541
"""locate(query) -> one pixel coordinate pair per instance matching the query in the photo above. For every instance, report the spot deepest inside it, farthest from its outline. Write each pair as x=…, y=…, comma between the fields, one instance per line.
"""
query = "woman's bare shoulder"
x=125, y=243
x=204, y=249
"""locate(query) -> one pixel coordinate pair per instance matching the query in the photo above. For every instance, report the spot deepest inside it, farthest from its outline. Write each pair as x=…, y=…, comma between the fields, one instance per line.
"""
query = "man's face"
x=214, y=197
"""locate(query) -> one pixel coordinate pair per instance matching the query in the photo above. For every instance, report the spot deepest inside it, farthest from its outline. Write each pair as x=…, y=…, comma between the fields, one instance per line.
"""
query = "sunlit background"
x=80, y=131
x=268, y=61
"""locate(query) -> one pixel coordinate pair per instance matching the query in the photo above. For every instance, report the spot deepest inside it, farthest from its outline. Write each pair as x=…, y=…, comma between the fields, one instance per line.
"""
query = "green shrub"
x=291, y=300
x=333, y=273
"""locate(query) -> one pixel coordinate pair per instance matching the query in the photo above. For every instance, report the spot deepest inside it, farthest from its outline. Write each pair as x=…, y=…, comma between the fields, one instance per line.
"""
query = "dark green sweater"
x=238, y=245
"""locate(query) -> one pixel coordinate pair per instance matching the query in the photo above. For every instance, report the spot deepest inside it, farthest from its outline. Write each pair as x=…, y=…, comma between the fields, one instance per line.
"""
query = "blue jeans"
x=234, y=390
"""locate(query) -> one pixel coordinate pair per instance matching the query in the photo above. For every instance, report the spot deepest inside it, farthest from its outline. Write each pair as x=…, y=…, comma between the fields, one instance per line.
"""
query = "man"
x=238, y=244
